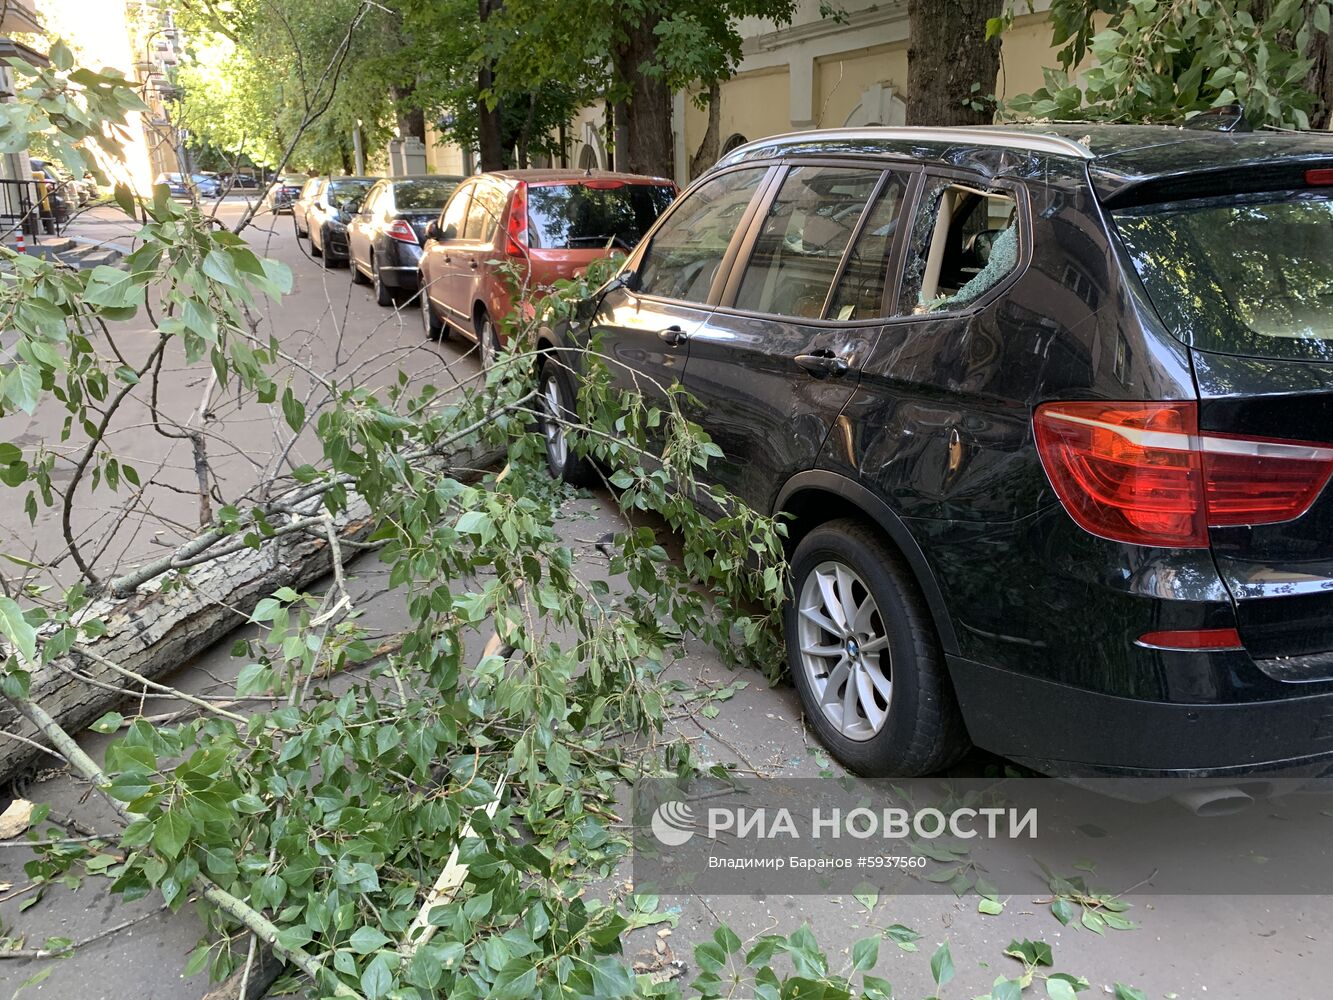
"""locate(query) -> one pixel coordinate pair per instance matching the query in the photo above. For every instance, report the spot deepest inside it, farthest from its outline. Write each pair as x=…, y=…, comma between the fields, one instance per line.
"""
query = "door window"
x=804, y=236
x=685, y=253
x=860, y=291
x=455, y=213
x=484, y=215
x=964, y=242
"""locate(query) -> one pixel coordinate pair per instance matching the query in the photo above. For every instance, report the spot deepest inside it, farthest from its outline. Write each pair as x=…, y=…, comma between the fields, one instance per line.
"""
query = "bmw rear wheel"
x=865, y=658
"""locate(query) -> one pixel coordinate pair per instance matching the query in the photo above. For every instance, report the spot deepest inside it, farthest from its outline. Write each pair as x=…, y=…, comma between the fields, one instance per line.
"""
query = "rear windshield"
x=603, y=214
x=1251, y=275
x=426, y=196
x=349, y=189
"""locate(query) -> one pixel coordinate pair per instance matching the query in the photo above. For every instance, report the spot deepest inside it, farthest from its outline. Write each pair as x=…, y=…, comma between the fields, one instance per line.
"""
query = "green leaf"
x=990, y=907
x=377, y=980
x=941, y=965
x=170, y=833
x=219, y=266
x=516, y=981
x=1059, y=989
x=1064, y=910
x=1123, y=992
x=293, y=409
x=1321, y=18
x=366, y=939
x=108, y=723
x=16, y=629
x=865, y=953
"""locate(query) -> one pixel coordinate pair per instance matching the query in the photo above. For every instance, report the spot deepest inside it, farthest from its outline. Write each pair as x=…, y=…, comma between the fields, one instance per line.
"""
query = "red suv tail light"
x=400, y=229
x=1142, y=473
x=516, y=241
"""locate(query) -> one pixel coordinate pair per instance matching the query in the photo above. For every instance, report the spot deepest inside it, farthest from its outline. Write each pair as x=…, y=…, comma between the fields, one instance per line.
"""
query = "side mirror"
x=628, y=280
x=450, y=232
x=433, y=230
x=352, y=207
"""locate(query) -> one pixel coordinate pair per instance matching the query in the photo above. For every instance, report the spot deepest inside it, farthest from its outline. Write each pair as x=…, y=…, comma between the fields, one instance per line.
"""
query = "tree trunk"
x=1319, y=81
x=647, y=108
x=948, y=53
x=490, y=130
x=157, y=629
x=706, y=155
x=411, y=120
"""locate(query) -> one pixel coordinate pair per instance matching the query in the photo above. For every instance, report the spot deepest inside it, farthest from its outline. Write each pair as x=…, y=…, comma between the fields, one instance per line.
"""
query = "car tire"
x=357, y=277
x=325, y=257
x=434, y=327
x=315, y=251
x=488, y=340
x=383, y=293
x=910, y=725
x=557, y=393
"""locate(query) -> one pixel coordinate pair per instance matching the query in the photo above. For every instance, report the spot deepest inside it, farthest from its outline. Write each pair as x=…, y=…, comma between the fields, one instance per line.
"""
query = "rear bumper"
x=399, y=276
x=1070, y=731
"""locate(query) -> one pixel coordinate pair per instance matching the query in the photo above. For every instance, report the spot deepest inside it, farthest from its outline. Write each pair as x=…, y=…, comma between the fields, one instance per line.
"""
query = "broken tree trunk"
x=158, y=619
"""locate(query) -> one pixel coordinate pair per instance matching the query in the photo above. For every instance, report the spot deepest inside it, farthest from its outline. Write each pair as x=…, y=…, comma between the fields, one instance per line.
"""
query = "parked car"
x=1048, y=412
x=549, y=223
x=331, y=209
x=384, y=238
x=239, y=181
x=206, y=186
x=281, y=194
x=304, y=199
x=178, y=185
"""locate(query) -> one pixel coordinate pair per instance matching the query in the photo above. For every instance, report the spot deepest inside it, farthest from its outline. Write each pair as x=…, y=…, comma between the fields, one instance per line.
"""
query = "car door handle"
x=823, y=364
x=672, y=336
x=448, y=259
x=472, y=263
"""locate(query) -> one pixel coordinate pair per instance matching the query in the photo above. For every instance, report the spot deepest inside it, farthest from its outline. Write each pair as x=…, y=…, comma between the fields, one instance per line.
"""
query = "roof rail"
x=1033, y=142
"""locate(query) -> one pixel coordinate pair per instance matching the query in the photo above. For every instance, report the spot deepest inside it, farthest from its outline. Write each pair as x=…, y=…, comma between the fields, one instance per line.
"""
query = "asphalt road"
x=1220, y=945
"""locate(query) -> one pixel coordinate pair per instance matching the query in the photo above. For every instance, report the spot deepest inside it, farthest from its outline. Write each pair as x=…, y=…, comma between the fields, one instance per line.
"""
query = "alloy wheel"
x=552, y=404
x=844, y=650
x=486, y=342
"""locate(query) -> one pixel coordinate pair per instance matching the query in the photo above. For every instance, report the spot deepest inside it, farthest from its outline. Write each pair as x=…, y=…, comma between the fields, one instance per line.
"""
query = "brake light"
x=603, y=185
x=516, y=241
x=1319, y=177
x=1142, y=472
x=1193, y=638
x=401, y=229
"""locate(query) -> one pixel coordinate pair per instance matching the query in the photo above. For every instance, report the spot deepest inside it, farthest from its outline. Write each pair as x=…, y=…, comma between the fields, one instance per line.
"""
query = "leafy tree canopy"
x=1162, y=60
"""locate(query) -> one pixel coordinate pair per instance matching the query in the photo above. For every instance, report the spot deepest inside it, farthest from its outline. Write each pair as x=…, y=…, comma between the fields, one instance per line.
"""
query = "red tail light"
x=400, y=229
x=1193, y=638
x=516, y=243
x=1319, y=177
x=1142, y=472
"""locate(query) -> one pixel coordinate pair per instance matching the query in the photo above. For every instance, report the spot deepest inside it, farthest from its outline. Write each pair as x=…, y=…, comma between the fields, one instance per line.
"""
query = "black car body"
x=331, y=209
x=1085, y=485
x=282, y=194
x=385, y=237
x=300, y=206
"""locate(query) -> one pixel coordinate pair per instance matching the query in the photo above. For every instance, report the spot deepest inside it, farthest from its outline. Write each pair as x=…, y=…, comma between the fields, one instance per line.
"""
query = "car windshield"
x=1246, y=275
x=426, y=196
x=593, y=215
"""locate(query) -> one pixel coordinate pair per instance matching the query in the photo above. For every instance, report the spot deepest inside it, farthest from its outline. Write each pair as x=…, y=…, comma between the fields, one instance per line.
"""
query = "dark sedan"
x=384, y=239
x=281, y=194
x=329, y=213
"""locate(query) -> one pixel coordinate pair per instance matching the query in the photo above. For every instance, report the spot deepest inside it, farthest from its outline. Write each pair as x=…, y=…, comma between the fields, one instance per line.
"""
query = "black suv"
x=1051, y=413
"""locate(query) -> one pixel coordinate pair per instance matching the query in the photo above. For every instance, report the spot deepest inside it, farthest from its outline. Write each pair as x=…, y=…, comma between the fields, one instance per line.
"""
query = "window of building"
x=803, y=238
x=685, y=253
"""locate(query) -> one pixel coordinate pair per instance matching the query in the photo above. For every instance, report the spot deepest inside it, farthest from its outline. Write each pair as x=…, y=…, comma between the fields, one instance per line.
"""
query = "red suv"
x=550, y=224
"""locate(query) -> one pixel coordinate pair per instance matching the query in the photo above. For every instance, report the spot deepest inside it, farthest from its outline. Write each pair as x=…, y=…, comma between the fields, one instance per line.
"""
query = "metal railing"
x=34, y=208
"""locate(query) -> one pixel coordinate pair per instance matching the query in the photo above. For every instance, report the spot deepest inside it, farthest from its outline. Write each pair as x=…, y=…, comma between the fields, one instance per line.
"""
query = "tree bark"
x=490, y=129
x=947, y=54
x=647, y=107
x=158, y=629
x=706, y=155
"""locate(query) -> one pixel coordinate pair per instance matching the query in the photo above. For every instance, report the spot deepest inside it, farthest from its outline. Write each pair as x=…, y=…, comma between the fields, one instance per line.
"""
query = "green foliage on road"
x=1163, y=60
